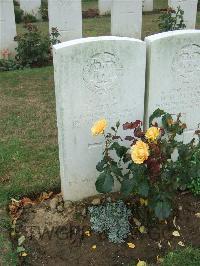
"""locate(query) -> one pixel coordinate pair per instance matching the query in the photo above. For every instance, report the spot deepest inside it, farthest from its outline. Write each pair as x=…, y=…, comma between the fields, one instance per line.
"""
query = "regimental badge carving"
x=186, y=65
x=102, y=72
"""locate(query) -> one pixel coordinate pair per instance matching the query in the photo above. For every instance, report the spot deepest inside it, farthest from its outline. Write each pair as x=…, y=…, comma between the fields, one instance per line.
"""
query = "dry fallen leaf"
x=159, y=260
x=197, y=214
x=26, y=201
x=44, y=196
x=137, y=222
x=176, y=233
x=24, y=254
x=131, y=245
x=21, y=240
x=174, y=221
x=180, y=243
x=169, y=244
x=159, y=245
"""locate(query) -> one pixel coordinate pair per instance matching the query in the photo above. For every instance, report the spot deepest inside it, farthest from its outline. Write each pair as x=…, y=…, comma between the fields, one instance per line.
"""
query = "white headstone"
x=190, y=11
x=31, y=7
x=173, y=76
x=66, y=15
x=126, y=18
x=7, y=26
x=104, y=6
x=147, y=5
x=95, y=78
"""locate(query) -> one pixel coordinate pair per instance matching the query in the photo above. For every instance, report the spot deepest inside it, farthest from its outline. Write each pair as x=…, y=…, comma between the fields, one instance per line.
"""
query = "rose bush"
x=143, y=162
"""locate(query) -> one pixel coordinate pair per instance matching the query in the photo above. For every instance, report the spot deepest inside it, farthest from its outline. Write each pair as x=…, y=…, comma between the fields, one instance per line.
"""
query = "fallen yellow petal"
x=176, y=233
x=13, y=233
x=141, y=263
x=142, y=229
x=180, y=243
x=131, y=245
x=87, y=233
x=94, y=247
x=143, y=202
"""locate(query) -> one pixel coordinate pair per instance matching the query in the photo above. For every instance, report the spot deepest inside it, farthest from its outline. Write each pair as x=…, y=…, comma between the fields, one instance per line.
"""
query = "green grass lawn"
x=28, y=141
x=89, y=4
x=28, y=134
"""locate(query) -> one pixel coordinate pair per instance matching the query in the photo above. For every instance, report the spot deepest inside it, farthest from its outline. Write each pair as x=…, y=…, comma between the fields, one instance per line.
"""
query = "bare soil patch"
x=56, y=233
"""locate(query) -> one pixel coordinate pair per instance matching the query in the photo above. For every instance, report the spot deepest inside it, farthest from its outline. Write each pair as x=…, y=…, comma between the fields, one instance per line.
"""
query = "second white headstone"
x=104, y=6
x=66, y=16
x=173, y=76
x=126, y=18
x=7, y=27
x=147, y=5
x=190, y=11
x=31, y=7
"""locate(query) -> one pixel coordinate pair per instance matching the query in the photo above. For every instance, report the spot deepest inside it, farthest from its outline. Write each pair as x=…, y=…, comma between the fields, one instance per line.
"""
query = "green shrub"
x=33, y=48
x=147, y=167
x=9, y=64
x=194, y=173
x=44, y=10
x=29, y=18
x=16, y=3
x=111, y=218
x=18, y=14
x=194, y=186
x=185, y=257
x=171, y=20
x=54, y=36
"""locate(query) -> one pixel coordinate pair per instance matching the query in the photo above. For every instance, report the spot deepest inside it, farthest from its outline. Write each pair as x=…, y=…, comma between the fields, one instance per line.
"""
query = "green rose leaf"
x=157, y=113
x=127, y=186
x=116, y=170
x=162, y=209
x=143, y=189
x=104, y=183
x=120, y=150
x=100, y=165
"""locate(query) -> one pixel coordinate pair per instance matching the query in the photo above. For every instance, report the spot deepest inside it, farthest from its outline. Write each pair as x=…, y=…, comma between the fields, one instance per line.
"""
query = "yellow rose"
x=140, y=152
x=143, y=202
x=99, y=127
x=152, y=133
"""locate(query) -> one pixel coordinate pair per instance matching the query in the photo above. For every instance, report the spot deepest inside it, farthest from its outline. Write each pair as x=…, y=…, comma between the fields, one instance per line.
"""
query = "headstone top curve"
x=167, y=34
x=95, y=39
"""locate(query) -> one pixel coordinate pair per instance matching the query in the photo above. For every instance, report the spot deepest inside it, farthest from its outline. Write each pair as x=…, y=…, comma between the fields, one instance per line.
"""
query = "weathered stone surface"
x=173, y=76
x=147, y=5
x=31, y=7
x=190, y=11
x=95, y=78
x=7, y=28
x=104, y=6
x=126, y=18
x=66, y=16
